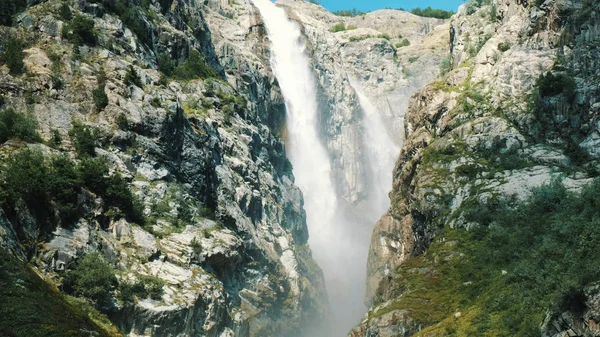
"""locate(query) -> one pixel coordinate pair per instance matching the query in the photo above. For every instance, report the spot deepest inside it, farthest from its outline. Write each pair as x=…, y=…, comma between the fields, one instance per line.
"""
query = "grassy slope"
x=505, y=276
x=30, y=307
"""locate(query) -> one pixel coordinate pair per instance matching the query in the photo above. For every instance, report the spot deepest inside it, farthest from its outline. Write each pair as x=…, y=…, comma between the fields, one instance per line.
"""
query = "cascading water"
x=339, y=242
x=382, y=152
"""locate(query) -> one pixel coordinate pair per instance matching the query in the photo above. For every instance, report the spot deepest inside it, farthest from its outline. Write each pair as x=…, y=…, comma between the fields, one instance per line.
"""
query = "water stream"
x=339, y=242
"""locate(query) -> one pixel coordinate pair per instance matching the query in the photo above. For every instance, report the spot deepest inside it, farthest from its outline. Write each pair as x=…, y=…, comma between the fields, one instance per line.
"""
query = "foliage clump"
x=80, y=30
x=349, y=12
x=338, y=27
x=432, y=13
x=8, y=8
x=132, y=77
x=93, y=278
x=553, y=85
x=403, y=43
x=194, y=67
x=144, y=287
x=12, y=56
x=19, y=126
x=50, y=187
x=522, y=260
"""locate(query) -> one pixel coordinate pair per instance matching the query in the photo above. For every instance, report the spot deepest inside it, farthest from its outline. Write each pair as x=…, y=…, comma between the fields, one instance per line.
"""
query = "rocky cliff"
x=197, y=141
x=478, y=138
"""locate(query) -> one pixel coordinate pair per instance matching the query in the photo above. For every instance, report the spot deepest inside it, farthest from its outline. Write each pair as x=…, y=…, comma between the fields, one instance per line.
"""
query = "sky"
x=362, y=5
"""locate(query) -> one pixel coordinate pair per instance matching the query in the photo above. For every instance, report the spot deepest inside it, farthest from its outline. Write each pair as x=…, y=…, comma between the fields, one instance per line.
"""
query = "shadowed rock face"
x=226, y=230
x=480, y=110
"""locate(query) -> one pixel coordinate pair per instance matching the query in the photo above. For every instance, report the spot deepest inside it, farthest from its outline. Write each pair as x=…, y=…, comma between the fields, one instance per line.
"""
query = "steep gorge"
x=205, y=102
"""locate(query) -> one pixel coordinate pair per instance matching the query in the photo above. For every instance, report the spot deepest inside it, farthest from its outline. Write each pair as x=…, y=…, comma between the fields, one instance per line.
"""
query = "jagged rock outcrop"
x=487, y=131
x=226, y=230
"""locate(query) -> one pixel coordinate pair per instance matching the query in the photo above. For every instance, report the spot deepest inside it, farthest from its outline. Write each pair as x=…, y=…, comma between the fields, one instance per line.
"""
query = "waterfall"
x=339, y=241
x=382, y=152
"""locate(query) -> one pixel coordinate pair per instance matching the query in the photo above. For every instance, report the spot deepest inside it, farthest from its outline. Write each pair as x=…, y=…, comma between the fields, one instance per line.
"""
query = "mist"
x=339, y=234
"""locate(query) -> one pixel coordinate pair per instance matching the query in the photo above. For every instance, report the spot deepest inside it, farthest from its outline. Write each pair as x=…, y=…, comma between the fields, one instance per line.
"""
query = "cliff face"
x=224, y=226
x=485, y=133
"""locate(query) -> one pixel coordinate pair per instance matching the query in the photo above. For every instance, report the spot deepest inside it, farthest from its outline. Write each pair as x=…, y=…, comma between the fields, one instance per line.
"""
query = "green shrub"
x=94, y=173
x=16, y=125
x=432, y=13
x=80, y=31
x=100, y=97
x=351, y=12
x=165, y=64
x=56, y=140
x=503, y=46
x=93, y=278
x=144, y=287
x=122, y=121
x=384, y=36
x=194, y=67
x=338, y=27
x=155, y=102
x=30, y=307
x=196, y=246
x=84, y=139
x=552, y=85
x=25, y=179
x=2, y=100
x=12, y=56
x=64, y=185
x=413, y=59
x=65, y=12
x=8, y=8
x=403, y=43
x=446, y=65
x=132, y=77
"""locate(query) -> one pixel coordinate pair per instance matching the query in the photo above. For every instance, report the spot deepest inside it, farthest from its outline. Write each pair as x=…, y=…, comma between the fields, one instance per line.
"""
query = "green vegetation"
x=18, y=126
x=49, y=187
x=553, y=85
x=133, y=17
x=84, y=139
x=194, y=67
x=503, y=46
x=360, y=38
x=93, y=278
x=80, y=30
x=413, y=59
x=403, y=43
x=338, y=27
x=12, y=55
x=384, y=36
x=432, y=13
x=65, y=12
x=352, y=12
x=521, y=261
x=100, y=97
x=473, y=5
x=8, y=8
x=132, y=77
x=30, y=307
x=196, y=246
x=144, y=287
x=446, y=65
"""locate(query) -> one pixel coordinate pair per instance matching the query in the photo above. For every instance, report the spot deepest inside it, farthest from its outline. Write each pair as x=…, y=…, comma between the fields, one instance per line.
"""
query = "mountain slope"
x=516, y=111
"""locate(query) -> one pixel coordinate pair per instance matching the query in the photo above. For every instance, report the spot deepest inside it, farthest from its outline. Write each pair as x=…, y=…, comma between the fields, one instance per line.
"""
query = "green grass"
x=524, y=260
x=30, y=307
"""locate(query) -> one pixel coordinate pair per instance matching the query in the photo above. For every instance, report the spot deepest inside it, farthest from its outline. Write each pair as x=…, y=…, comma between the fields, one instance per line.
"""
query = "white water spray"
x=382, y=152
x=339, y=241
